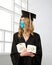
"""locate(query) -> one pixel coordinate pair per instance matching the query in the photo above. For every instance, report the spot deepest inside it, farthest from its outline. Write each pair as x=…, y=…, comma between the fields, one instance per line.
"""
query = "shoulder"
x=15, y=34
x=36, y=34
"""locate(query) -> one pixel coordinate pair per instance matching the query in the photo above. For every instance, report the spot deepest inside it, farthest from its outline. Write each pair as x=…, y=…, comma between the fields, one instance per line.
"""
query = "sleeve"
x=14, y=54
x=38, y=56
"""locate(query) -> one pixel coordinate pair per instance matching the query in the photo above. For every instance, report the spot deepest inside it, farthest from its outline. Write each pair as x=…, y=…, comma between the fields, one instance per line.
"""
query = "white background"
x=43, y=25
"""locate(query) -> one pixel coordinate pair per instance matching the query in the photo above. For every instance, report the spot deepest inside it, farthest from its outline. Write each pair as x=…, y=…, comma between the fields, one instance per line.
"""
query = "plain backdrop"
x=43, y=25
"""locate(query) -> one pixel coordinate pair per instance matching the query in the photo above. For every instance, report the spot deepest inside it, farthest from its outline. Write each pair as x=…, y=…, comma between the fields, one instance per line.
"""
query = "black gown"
x=26, y=60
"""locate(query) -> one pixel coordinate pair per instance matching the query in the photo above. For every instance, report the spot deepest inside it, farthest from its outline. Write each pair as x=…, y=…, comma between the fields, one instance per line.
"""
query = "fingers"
x=24, y=50
x=25, y=53
x=32, y=55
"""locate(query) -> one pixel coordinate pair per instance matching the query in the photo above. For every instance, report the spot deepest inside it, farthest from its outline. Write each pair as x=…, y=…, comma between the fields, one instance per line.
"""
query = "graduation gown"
x=26, y=60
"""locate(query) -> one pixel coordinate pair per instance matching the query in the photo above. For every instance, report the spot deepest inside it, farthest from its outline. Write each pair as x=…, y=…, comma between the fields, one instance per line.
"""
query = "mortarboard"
x=28, y=15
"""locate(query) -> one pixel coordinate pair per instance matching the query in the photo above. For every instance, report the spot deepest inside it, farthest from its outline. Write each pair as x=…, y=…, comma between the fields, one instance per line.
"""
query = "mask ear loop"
x=30, y=19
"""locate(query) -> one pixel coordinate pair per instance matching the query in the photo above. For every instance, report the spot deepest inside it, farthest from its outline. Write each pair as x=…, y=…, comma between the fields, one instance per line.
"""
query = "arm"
x=25, y=53
x=38, y=56
x=39, y=51
x=14, y=54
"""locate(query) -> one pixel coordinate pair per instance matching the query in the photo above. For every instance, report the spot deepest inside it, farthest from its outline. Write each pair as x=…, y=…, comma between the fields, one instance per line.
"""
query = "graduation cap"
x=28, y=15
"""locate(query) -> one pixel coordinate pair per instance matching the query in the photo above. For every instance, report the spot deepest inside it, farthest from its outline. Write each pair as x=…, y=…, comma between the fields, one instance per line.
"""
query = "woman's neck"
x=26, y=33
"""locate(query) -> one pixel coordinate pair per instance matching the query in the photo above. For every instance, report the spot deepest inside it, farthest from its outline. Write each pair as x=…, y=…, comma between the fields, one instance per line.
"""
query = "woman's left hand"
x=25, y=53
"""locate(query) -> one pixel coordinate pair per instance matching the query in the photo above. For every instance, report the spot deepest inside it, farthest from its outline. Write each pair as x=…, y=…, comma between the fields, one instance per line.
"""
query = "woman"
x=27, y=36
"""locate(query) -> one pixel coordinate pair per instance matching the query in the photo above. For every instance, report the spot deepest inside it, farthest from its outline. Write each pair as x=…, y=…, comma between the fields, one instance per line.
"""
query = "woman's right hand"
x=25, y=53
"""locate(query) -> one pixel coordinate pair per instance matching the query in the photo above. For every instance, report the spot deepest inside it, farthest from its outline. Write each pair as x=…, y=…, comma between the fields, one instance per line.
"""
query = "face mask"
x=22, y=24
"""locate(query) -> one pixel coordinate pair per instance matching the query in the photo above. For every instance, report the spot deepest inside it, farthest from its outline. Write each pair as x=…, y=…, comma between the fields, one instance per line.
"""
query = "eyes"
x=22, y=18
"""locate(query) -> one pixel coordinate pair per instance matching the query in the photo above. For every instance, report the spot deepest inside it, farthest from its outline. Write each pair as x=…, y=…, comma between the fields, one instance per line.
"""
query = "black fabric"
x=26, y=60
